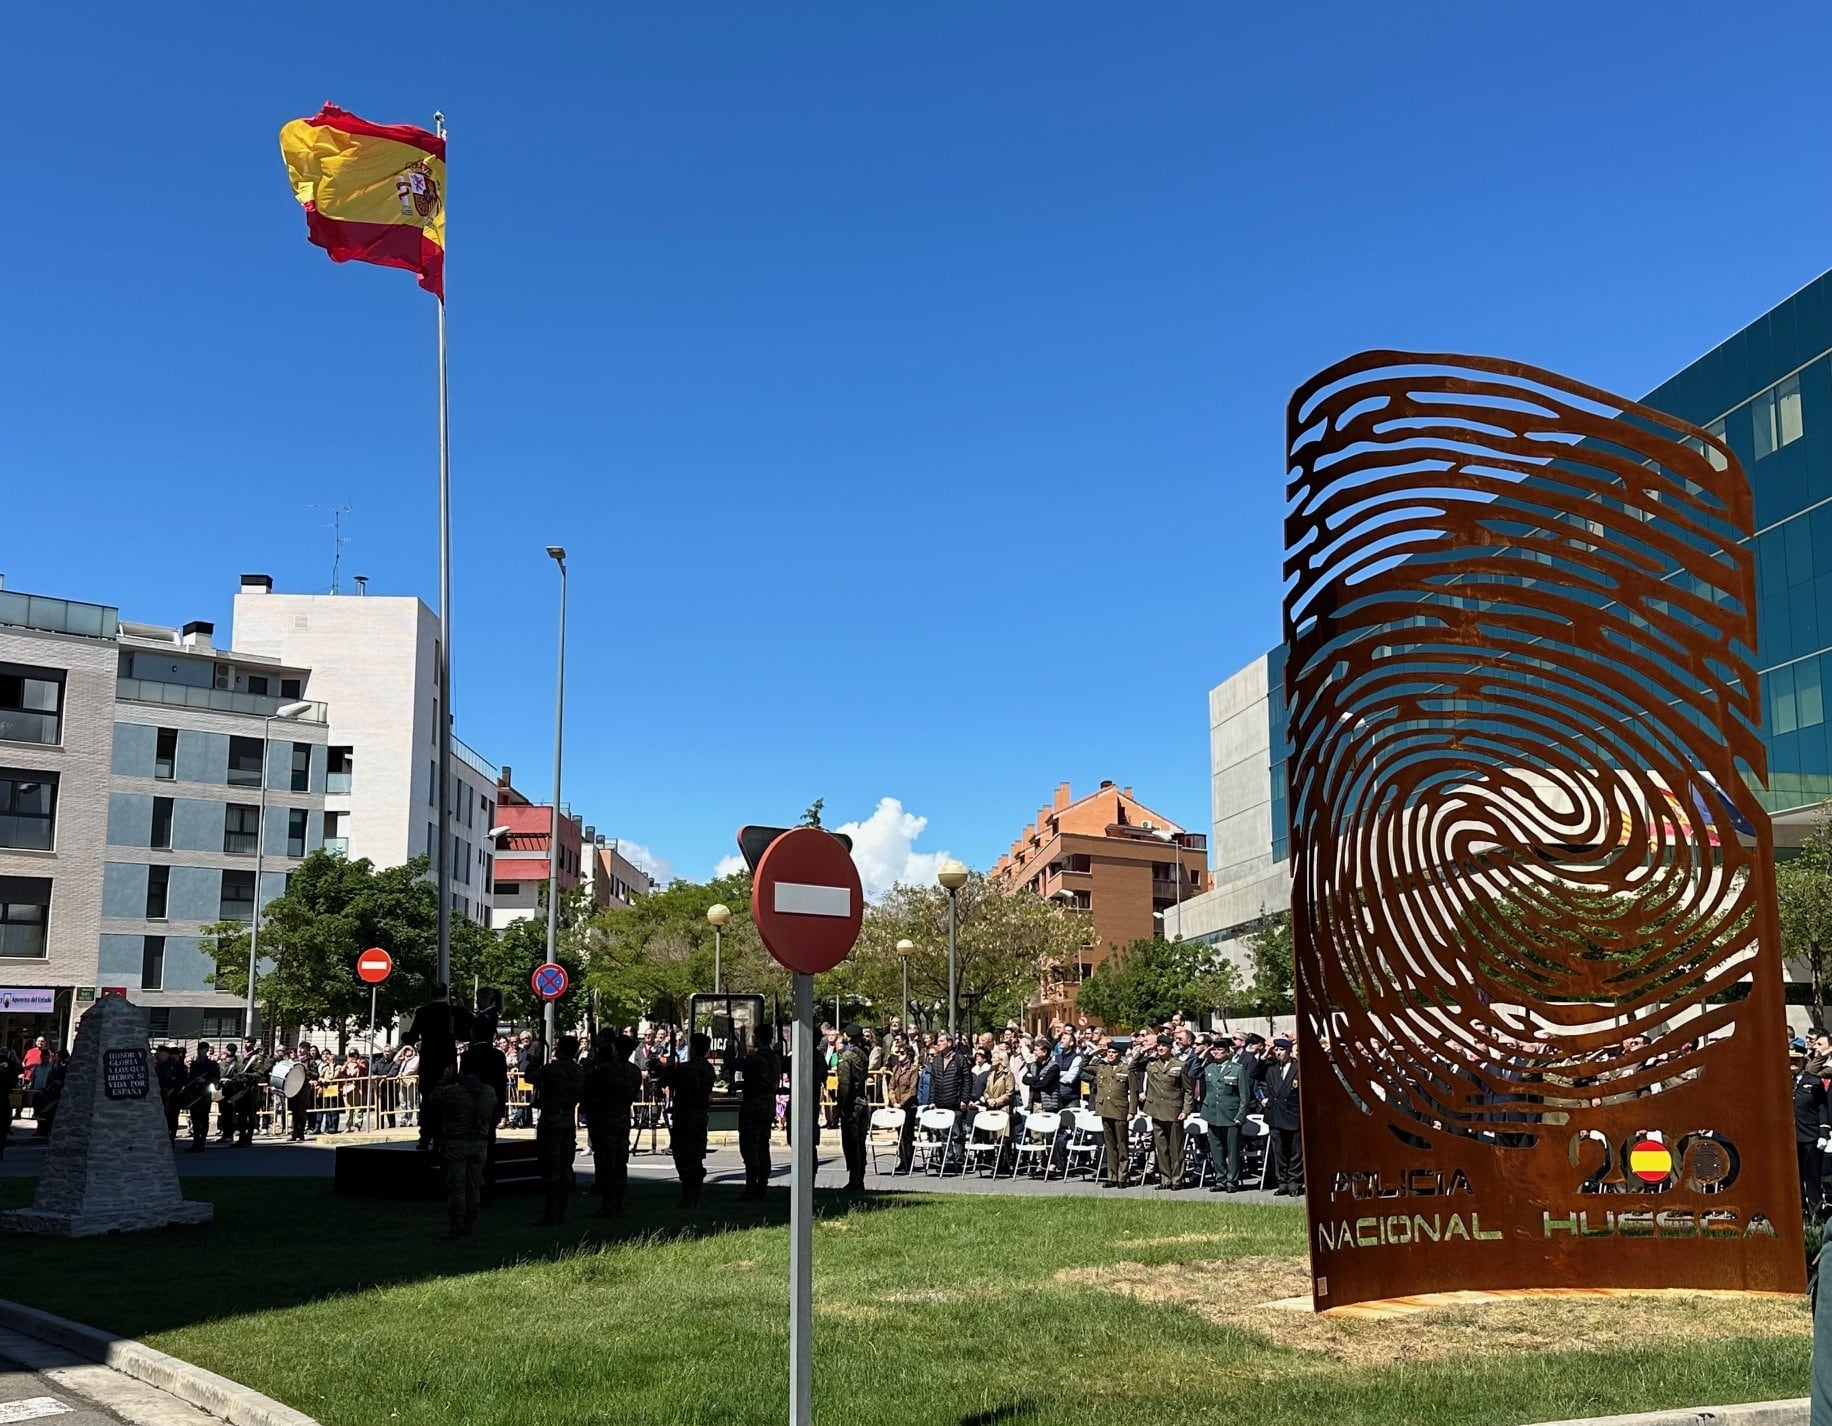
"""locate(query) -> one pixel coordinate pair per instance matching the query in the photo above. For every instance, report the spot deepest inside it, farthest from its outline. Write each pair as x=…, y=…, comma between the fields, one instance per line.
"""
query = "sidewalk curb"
x=1751, y=1413
x=237, y=1404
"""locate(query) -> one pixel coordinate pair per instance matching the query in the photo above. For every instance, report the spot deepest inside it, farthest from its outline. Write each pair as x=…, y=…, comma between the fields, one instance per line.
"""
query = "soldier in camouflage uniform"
x=557, y=1087
x=467, y=1110
x=852, y=1073
x=757, y=1113
x=690, y=1107
x=612, y=1085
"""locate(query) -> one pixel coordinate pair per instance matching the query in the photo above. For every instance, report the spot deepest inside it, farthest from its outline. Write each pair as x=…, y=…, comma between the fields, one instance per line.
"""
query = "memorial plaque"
x=1541, y=1030
x=124, y=1074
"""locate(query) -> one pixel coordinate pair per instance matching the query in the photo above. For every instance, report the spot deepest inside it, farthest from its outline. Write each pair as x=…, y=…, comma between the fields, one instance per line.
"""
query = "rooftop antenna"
x=337, y=539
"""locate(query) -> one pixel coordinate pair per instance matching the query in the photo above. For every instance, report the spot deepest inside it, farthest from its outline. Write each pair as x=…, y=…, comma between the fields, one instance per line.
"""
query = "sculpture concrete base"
x=65, y=1225
x=109, y=1166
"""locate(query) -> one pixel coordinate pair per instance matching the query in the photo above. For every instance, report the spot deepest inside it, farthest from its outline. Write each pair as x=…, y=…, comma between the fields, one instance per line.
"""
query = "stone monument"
x=109, y=1166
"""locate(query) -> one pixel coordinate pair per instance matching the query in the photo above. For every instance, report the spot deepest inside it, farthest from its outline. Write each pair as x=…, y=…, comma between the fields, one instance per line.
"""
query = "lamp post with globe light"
x=718, y=914
x=953, y=876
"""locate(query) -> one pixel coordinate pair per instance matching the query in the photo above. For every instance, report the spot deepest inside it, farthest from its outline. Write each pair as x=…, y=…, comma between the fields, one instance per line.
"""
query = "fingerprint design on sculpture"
x=1523, y=722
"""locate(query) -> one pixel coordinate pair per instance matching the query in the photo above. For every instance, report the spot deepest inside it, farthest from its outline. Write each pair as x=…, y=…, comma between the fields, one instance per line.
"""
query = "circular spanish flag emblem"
x=1650, y=1160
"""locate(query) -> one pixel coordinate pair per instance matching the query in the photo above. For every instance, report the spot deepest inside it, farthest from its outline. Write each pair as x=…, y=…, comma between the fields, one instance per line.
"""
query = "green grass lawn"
x=928, y=1309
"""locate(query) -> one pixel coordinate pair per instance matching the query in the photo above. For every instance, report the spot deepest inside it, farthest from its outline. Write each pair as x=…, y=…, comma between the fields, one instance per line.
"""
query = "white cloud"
x=728, y=866
x=658, y=867
x=883, y=846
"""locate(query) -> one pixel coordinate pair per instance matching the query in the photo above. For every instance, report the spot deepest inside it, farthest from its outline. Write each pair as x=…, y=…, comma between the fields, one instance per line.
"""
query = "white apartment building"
x=150, y=785
x=375, y=663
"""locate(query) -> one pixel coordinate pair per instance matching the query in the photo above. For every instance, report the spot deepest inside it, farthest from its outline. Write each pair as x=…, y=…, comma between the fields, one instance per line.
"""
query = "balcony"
x=472, y=759
x=337, y=782
x=216, y=700
x=57, y=616
x=338, y=846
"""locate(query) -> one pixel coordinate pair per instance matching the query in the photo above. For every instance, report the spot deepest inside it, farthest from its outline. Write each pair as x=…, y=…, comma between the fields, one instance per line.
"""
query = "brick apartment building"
x=1110, y=855
x=522, y=855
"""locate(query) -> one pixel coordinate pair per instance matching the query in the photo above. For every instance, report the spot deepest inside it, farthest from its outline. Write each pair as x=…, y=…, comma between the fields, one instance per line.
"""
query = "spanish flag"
x=371, y=192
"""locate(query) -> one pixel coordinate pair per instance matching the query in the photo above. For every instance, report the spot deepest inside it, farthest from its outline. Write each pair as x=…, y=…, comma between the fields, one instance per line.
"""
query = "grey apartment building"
x=151, y=784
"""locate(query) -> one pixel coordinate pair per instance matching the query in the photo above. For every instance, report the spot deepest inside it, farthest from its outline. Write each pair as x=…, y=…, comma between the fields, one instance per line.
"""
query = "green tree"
x=1007, y=942
x=508, y=960
x=812, y=817
x=1803, y=895
x=333, y=910
x=1270, y=952
x=1145, y=982
x=648, y=958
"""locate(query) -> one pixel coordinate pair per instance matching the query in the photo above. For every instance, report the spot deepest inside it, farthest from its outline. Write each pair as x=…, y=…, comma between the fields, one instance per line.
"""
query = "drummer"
x=203, y=1075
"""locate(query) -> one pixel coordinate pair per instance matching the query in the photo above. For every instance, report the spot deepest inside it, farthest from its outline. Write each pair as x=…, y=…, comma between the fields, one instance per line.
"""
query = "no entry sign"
x=374, y=966
x=807, y=901
x=549, y=982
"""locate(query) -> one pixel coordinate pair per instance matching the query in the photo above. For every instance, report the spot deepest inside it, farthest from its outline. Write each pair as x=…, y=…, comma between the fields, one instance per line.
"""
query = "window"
x=159, y=1023
x=158, y=887
x=165, y=755
x=237, y=897
x=25, y=913
x=241, y=828
x=432, y=847
x=1776, y=413
x=28, y=809
x=339, y=765
x=432, y=783
x=302, y=767
x=152, y=963
x=508, y=888
x=295, y=831
x=290, y=689
x=226, y=1026
x=245, y=755
x=1712, y=454
x=162, y=823
x=31, y=704
x=257, y=684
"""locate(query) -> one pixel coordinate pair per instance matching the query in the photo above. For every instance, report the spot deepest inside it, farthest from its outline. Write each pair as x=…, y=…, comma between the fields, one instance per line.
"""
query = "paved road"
x=39, y=1382
x=313, y=1159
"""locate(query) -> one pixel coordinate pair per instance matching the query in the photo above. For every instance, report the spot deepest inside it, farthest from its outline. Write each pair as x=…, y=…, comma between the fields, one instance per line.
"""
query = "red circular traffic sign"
x=807, y=901
x=550, y=982
x=374, y=966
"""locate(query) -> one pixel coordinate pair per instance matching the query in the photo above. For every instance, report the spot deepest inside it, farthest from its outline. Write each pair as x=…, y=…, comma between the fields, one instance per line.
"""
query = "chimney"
x=257, y=584
x=1126, y=792
x=1105, y=783
x=1062, y=796
x=362, y=585
x=198, y=634
x=506, y=778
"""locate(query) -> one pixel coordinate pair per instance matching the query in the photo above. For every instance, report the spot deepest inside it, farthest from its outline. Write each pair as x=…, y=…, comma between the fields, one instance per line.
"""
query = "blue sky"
x=907, y=382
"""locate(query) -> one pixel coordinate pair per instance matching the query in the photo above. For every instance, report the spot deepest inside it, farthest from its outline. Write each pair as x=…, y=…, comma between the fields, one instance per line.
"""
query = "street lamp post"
x=953, y=876
x=903, y=949
x=290, y=712
x=718, y=915
x=558, y=555
x=1176, y=867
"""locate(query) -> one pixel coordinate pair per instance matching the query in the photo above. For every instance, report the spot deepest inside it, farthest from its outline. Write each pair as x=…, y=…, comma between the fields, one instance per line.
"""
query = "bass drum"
x=286, y=1079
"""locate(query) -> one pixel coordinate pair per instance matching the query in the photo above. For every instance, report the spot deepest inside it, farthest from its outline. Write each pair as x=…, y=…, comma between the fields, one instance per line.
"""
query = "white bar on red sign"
x=805, y=899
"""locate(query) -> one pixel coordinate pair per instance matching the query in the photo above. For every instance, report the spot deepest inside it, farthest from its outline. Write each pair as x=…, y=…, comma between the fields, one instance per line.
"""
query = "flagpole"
x=442, y=853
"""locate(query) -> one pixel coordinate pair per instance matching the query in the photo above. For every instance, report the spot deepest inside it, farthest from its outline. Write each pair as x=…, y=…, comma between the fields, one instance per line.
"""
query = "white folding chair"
x=1039, y=1140
x=986, y=1138
x=1196, y=1148
x=1087, y=1144
x=1257, y=1138
x=935, y=1139
x=885, y=1131
x=1138, y=1147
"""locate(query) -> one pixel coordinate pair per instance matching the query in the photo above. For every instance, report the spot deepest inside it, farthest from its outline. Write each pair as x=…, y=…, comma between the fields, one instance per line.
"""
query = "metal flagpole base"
x=801, y=1205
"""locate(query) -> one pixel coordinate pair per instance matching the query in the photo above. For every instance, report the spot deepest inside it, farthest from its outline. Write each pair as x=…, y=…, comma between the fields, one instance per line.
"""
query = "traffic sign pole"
x=801, y=1205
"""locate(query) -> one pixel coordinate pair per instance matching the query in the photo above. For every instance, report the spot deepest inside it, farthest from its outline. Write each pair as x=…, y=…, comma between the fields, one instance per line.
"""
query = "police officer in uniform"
x=1166, y=1098
x=852, y=1074
x=557, y=1087
x=1810, y=1116
x=612, y=1086
x=762, y=1073
x=690, y=1094
x=1224, y=1091
x=1281, y=1081
x=195, y=1096
x=468, y=1109
x=1115, y=1099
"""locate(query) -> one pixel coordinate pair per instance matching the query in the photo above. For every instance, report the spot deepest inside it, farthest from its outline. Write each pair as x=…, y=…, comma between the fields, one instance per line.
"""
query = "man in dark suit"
x=1281, y=1081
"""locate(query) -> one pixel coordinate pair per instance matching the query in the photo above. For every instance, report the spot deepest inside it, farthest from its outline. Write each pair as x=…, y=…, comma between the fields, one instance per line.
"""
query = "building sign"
x=124, y=1074
x=27, y=1000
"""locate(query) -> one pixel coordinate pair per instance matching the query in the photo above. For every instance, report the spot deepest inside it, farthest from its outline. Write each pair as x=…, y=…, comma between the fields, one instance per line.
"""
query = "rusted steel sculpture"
x=1539, y=981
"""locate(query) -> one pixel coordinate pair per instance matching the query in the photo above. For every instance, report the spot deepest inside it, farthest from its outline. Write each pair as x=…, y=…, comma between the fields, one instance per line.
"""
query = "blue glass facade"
x=1768, y=392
